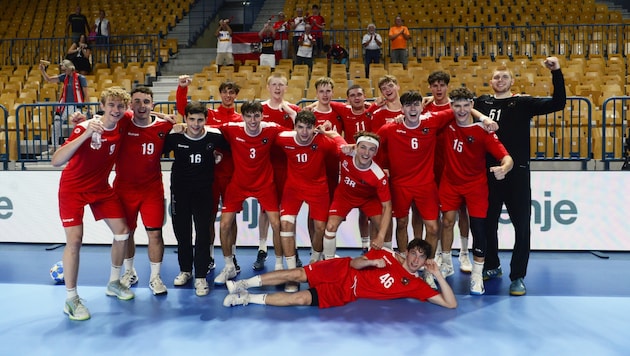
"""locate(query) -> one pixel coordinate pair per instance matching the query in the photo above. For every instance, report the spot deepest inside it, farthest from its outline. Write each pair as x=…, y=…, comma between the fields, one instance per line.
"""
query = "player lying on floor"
x=379, y=274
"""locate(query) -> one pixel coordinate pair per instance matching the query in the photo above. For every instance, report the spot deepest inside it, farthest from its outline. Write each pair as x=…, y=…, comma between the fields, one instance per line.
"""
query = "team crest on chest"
x=265, y=140
x=314, y=147
x=425, y=131
x=470, y=139
x=405, y=281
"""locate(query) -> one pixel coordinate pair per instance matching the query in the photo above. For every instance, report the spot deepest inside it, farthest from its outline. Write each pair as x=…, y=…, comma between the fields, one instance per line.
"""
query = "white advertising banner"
x=570, y=211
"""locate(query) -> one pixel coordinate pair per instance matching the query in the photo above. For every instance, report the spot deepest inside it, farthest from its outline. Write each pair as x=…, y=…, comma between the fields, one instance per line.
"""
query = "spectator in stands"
x=337, y=54
x=514, y=113
x=372, y=43
x=77, y=25
x=224, y=44
x=84, y=181
x=102, y=28
x=297, y=26
x=267, y=38
x=74, y=91
x=305, y=48
x=281, y=44
x=79, y=53
x=399, y=35
x=318, y=24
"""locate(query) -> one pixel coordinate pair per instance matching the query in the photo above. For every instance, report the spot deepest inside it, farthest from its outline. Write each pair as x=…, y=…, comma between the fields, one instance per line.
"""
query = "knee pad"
x=286, y=234
x=288, y=218
x=121, y=237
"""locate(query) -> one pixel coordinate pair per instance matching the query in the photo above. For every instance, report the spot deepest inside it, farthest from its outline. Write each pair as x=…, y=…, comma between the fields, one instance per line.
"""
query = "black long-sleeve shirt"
x=515, y=113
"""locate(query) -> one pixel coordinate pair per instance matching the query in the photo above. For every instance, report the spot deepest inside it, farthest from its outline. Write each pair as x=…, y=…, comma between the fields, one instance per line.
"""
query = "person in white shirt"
x=372, y=43
x=224, y=44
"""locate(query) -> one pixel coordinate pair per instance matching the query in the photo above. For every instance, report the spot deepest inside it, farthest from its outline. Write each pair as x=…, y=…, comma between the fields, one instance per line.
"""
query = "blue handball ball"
x=56, y=272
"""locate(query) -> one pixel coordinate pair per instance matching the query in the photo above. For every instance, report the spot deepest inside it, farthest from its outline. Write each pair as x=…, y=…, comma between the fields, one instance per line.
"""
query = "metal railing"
x=613, y=135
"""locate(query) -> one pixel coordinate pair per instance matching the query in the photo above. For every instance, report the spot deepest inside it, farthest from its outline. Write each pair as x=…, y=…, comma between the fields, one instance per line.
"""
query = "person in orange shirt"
x=399, y=35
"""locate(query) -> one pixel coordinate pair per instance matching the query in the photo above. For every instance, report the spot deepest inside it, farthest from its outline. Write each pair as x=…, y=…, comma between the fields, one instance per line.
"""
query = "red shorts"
x=104, y=205
x=425, y=196
x=332, y=280
x=316, y=198
x=148, y=201
x=341, y=206
x=236, y=195
x=219, y=187
x=475, y=195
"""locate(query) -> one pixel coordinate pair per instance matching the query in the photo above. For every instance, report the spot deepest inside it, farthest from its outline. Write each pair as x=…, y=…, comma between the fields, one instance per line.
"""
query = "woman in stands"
x=79, y=53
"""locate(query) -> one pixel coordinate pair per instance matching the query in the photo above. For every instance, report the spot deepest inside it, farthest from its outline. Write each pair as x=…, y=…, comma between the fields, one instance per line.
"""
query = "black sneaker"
x=211, y=265
x=298, y=262
x=259, y=265
x=236, y=266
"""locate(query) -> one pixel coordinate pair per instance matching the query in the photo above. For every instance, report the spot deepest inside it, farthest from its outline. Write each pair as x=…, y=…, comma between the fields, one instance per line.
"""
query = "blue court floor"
x=577, y=304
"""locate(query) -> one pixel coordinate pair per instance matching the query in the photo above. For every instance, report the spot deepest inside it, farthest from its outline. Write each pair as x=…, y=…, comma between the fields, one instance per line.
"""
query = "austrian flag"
x=245, y=45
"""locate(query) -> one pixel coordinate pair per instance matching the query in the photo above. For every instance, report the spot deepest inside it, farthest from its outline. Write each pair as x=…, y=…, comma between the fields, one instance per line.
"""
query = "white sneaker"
x=231, y=300
x=438, y=259
x=236, y=286
x=446, y=270
x=428, y=277
x=157, y=286
x=464, y=263
x=182, y=278
x=201, y=287
x=291, y=287
x=476, y=285
x=129, y=278
x=226, y=273
x=75, y=309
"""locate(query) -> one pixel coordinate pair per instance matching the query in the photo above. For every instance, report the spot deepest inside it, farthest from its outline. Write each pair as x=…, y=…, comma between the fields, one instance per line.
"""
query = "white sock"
x=365, y=241
x=464, y=248
x=257, y=298
x=262, y=244
x=114, y=274
x=71, y=293
x=315, y=256
x=279, y=265
x=438, y=248
x=291, y=262
x=477, y=268
x=253, y=282
x=389, y=245
x=330, y=245
x=128, y=263
x=234, y=250
x=155, y=269
x=229, y=261
x=447, y=258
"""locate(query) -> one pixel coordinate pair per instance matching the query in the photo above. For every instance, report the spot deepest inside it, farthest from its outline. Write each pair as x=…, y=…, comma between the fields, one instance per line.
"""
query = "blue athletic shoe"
x=492, y=273
x=517, y=287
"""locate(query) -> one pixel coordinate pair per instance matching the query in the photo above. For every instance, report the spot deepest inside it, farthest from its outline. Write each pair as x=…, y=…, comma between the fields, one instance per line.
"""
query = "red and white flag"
x=245, y=45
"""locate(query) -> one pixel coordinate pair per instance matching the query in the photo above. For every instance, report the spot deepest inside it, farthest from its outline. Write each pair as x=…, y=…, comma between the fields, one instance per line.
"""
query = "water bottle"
x=96, y=141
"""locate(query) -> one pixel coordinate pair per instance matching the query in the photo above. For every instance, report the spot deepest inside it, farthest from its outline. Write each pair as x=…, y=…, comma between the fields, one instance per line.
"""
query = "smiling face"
x=365, y=152
x=462, y=109
x=304, y=133
x=501, y=82
x=412, y=113
x=390, y=90
x=228, y=96
x=195, y=125
x=252, y=122
x=141, y=104
x=415, y=260
x=113, y=110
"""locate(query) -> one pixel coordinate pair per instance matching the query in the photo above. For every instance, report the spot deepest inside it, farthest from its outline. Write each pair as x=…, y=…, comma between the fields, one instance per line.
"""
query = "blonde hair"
x=66, y=63
x=277, y=76
x=115, y=93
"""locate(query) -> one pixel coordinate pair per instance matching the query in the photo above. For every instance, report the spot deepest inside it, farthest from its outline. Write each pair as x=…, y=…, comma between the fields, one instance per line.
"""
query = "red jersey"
x=358, y=185
x=384, y=116
x=352, y=122
x=306, y=162
x=88, y=170
x=317, y=23
x=139, y=163
x=438, y=165
x=278, y=159
x=409, y=153
x=251, y=154
x=465, y=148
x=391, y=282
x=333, y=116
x=282, y=30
